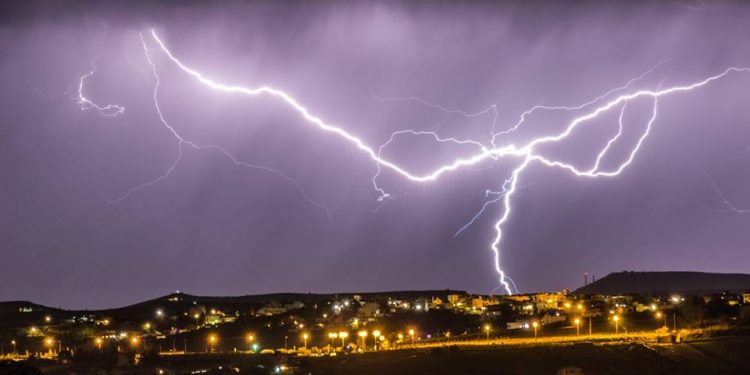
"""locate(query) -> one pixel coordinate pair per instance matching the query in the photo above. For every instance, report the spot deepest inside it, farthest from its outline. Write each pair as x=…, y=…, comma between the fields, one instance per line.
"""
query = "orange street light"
x=375, y=336
x=332, y=336
x=212, y=340
x=363, y=335
x=616, y=318
x=50, y=342
x=578, y=326
x=659, y=315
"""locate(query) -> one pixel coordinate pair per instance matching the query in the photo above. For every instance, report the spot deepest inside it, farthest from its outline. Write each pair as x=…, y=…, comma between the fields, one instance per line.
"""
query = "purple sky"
x=215, y=228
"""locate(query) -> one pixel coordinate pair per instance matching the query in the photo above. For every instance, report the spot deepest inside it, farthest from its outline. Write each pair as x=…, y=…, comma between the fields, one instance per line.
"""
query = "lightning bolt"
x=526, y=154
x=491, y=109
x=114, y=110
x=109, y=110
x=498, y=195
x=729, y=206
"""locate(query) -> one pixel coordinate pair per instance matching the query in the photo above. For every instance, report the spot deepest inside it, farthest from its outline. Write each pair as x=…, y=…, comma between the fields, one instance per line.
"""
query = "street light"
x=578, y=325
x=616, y=318
x=305, y=336
x=411, y=334
x=13, y=342
x=362, y=335
x=134, y=342
x=535, y=324
x=487, y=331
x=98, y=341
x=332, y=336
x=49, y=342
x=375, y=336
x=212, y=339
x=343, y=335
x=660, y=315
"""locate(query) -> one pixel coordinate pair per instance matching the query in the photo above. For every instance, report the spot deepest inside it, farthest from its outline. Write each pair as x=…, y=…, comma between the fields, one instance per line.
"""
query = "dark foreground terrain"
x=722, y=355
x=725, y=356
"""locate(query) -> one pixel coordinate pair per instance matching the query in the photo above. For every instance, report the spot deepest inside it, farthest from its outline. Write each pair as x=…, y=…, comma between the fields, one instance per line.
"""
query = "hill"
x=147, y=307
x=667, y=282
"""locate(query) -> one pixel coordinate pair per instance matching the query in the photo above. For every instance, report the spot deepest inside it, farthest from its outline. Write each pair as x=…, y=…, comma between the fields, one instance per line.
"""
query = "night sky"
x=212, y=227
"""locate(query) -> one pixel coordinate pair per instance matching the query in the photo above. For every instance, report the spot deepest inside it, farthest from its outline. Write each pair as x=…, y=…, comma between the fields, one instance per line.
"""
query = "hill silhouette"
x=667, y=282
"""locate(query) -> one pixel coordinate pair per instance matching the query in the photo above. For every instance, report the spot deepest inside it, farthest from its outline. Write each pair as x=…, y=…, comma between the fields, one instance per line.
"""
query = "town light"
x=305, y=336
x=487, y=329
x=616, y=318
x=535, y=324
x=212, y=340
x=578, y=326
x=363, y=335
x=250, y=337
x=375, y=336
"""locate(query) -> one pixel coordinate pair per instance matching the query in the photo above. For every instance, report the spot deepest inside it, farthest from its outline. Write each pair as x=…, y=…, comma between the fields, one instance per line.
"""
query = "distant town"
x=283, y=329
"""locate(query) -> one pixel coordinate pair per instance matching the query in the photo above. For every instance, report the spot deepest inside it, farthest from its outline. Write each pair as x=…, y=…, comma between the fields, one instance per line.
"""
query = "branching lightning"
x=181, y=141
x=523, y=155
x=727, y=204
x=109, y=110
